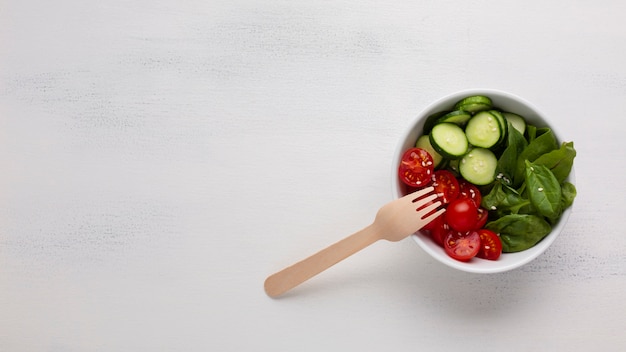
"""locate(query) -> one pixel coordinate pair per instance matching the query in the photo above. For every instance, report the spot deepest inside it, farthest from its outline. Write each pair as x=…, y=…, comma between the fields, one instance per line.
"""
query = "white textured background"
x=158, y=159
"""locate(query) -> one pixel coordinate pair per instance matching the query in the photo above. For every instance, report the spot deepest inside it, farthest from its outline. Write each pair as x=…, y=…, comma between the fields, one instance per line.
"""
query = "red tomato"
x=490, y=245
x=446, y=186
x=433, y=224
x=416, y=167
x=469, y=190
x=462, y=214
x=483, y=214
x=437, y=229
x=462, y=246
x=410, y=189
x=438, y=234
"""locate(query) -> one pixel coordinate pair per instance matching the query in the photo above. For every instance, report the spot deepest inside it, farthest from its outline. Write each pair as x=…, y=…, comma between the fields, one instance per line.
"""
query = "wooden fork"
x=394, y=221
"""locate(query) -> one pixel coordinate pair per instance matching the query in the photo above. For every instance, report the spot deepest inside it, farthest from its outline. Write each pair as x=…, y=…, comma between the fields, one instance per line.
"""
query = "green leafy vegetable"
x=515, y=203
x=519, y=232
x=507, y=163
x=559, y=161
x=568, y=193
x=542, y=144
x=495, y=196
x=544, y=190
x=532, y=132
x=530, y=192
x=504, y=200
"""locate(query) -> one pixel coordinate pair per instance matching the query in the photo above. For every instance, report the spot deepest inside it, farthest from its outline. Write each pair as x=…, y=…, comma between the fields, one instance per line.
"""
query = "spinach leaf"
x=505, y=200
x=519, y=231
x=515, y=203
x=507, y=162
x=568, y=193
x=544, y=143
x=492, y=200
x=560, y=161
x=531, y=131
x=544, y=190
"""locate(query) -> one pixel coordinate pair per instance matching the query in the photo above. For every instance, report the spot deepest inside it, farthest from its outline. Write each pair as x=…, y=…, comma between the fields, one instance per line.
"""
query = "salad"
x=502, y=180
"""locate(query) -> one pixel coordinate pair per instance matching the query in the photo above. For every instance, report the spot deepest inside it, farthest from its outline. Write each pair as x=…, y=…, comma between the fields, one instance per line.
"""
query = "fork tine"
x=427, y=213
x=422, y=202
x=415, y=196
x=426, y=208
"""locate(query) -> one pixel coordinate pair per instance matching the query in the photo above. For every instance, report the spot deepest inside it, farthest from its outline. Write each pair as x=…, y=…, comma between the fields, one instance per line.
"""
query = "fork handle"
x=305, y=269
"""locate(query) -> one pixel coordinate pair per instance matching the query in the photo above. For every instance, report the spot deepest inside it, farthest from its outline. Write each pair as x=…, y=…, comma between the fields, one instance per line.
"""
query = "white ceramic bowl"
x=505, y=101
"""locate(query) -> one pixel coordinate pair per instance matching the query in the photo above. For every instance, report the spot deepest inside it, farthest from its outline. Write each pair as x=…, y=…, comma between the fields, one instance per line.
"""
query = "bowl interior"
x=505, y=101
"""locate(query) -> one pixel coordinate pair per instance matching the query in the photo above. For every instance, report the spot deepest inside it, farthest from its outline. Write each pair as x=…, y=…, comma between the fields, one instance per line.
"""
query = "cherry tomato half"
x=483, y=215
x=416, y=167
x=490, y=245
x=433, y=224
x=437, y=229
x=469, y=190
x=462, y=246
x=439, y=233
x=462, y=214
x=446, y=186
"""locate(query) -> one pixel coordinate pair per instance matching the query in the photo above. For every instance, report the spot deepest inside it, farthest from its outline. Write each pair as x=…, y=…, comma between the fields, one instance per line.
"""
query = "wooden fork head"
x=404, y=216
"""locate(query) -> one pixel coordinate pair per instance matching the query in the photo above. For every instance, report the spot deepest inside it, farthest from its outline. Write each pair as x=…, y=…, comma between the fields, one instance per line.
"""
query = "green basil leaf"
x=519, y=232
x=559, y=161
x=543, y=189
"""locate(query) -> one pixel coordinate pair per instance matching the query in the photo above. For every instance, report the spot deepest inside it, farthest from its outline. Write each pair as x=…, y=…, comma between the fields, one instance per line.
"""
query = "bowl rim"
x=518, y=259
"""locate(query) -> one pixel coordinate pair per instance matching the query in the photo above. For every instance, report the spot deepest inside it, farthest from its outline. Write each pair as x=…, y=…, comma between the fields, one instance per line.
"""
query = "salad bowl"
x=507, y=102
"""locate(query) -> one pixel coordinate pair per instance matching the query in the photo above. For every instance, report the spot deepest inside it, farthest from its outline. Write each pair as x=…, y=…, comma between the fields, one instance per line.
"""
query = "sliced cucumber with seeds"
x=424, y=143
x=518, y=122
x=479, y=166
x=474, y=103
x=459, y=117
x=449, y=140
x=504, y=126
x=484, y=130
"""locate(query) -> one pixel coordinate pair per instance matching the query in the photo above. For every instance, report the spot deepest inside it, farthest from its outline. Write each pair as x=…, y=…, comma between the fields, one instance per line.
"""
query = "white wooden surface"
x=160, y=158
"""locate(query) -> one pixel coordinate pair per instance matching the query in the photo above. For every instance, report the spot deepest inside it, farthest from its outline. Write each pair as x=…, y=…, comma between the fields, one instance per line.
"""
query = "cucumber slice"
x=504, y=126
x=518, y=122
x=424, y=143
x=474, y=103
x=459, y=117
x=479, y=166
x=449, y=140
x=484, y=130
